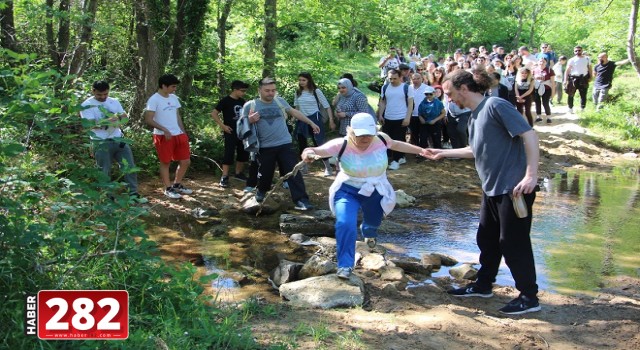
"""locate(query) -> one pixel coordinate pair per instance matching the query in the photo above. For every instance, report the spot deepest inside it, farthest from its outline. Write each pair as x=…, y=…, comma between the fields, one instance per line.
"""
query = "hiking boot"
x=371, y=242
x=303, y=205
x=394, y=165
x=521, y=305
x=181, y=189
x=248, y=189
x=470, y=290
x=240, y=177
x=224, y=181
x=260, y=197
x=344, y=272
x=172, y=193
x=402, y=160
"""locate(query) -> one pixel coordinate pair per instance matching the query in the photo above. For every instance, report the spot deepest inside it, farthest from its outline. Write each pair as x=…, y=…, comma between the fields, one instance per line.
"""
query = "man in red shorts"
x=169, y=136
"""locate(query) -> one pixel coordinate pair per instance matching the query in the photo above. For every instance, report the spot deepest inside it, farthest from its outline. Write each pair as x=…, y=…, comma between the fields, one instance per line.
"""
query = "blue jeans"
x=347, y=202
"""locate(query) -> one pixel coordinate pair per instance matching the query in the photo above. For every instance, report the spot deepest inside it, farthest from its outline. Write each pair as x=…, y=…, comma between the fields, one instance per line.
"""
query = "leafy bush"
x=64, y=225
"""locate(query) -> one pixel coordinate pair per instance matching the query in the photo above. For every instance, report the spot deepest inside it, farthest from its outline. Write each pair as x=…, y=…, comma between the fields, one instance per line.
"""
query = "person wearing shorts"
x=169, y=136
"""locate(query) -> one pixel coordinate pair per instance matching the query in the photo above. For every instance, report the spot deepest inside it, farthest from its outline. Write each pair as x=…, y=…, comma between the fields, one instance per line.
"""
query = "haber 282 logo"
x=77, y=314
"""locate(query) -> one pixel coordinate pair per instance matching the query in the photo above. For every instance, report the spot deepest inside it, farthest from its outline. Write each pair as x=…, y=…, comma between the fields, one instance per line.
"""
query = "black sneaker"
x=259, y=197
x=240, y=177
x=471, y=290
x=303, y=204
x=224, y=181
x=549, y=121
x=521, y=305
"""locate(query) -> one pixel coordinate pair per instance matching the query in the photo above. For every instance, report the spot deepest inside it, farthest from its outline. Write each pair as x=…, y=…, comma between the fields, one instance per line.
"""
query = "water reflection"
x=585, y=230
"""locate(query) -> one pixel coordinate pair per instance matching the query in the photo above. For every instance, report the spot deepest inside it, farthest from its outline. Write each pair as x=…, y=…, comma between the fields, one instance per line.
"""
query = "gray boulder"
x=446, y=260
x=465, y=271
x=324, y=292
x=317, y=266
x=412, y=265
x=286, y=271
x=315, y=223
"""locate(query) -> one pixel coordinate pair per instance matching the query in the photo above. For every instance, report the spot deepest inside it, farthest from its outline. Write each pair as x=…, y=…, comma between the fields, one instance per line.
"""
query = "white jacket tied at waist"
x=369, y=184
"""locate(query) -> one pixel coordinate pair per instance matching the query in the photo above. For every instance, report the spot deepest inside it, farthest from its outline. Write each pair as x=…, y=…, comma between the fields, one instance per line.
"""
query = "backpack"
x=405, y=87
x=248, y=133
x=344, y=146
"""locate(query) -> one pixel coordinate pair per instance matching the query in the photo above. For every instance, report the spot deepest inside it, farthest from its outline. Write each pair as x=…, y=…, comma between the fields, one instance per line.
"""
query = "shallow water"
x=586, y=230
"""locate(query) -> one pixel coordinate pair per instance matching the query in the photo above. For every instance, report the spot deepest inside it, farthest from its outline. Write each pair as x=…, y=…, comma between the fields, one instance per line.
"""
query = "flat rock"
x=324, y=292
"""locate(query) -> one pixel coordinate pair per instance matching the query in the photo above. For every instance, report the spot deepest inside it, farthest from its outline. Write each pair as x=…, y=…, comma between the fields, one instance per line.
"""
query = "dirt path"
x=425, y=317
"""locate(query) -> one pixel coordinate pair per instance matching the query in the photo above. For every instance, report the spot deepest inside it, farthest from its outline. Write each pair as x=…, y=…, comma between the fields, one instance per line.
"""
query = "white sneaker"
x=402, y=160
x=181, y=189
x=172, y=193
x=328, y=172
x=394, y=165
x=571, y=110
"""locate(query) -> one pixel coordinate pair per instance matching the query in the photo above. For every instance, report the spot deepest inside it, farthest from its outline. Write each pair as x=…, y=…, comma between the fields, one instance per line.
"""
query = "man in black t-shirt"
x=603, y=73
x=231, y=106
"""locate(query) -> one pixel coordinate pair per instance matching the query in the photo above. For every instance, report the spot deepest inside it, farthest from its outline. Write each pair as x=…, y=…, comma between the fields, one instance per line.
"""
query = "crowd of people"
x=474, y=104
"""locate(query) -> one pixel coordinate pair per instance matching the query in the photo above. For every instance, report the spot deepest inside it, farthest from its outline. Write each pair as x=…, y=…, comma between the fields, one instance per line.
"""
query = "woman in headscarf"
x=350, y=102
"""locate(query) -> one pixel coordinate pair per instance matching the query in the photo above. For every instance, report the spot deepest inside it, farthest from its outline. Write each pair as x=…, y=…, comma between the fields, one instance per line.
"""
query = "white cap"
x=429, y=90
x=363, y=124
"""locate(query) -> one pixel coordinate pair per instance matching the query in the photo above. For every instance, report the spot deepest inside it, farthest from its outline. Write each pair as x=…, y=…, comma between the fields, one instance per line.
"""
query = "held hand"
x=308, y=155
x=227, y=129
x=254, y=117
x=526, y=186
x=432, y=153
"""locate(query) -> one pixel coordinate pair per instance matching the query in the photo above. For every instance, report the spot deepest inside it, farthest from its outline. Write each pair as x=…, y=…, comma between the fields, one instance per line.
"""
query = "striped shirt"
x=306, y=103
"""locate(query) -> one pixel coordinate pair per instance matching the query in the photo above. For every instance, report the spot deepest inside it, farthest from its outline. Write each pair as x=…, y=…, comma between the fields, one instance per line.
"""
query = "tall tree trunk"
x=152, y=33
x=221, y=31
x=180, y=34
x=631, y=41
x=270, y=38
x=7, y=27
x=51, y=42
x=78, y=63
x=64, y=31
x=188, y=38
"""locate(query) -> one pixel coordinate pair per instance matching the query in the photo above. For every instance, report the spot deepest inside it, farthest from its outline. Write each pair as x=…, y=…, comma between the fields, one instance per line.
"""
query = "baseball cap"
x=404, y=66
x=429, y=90
x=363, y=124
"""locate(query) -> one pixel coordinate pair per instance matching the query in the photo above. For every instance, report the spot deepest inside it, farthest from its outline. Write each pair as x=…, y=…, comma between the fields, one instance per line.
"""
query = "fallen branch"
x=282, y=179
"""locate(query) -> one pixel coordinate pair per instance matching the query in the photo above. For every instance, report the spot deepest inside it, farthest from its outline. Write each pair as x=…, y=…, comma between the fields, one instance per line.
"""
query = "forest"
x=63, y=225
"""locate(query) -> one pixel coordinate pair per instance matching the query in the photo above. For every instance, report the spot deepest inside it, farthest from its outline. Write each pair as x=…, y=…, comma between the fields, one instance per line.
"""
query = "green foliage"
x=63, y=225
x=618, y=122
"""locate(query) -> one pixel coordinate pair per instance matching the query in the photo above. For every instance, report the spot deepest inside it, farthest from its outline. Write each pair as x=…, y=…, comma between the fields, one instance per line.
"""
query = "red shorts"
x=177, y=148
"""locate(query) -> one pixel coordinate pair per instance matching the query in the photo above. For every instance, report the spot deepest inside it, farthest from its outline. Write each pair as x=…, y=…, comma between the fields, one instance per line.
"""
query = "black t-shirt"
x=604, y=75
x=231, y=110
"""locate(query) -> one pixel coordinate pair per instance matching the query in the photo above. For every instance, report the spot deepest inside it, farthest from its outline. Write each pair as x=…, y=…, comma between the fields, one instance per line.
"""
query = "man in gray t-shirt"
x=268, y=113
x=506, y=153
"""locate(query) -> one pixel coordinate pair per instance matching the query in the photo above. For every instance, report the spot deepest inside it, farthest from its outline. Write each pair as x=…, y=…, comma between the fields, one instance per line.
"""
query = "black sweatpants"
x=286, y=159
x=502, y=233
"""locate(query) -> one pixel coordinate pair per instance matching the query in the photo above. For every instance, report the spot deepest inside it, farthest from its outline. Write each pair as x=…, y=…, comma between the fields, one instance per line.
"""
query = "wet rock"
x=392, y=273
x=400, y=285
x=316, y=223
x=214, y=232
x=286, y=271
x=630, y=155
x=446, y=260
x=251, y=206
x=317, y=266
x=324, y=292
x=404, y=200
x=431, y=260
x=391, y=227
x=412, y=265
x=465, y=271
